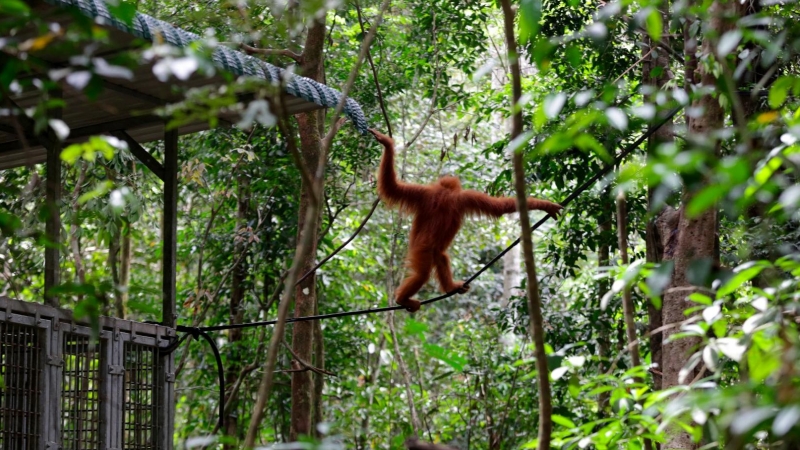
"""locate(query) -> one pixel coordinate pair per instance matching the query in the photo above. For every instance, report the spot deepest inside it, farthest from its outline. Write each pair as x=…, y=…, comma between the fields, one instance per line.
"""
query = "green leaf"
x=588, y=143
x=99, y=144
x=761, y=364
x=122, y=10
x=71, y=153
x=563, y=421
x=745, y=421
x=742, y=275
x=553, y=104
x=779, y=91
x=720, y=327
x=728, y=42
x=617, y=118
x=414, y=327
x=543, y=51
x=451, y=359
x=574, y=56
x=654, y=24
x=9, y=223
x=786, y=420
x=599, y=390
x=14, y=7
x=659, y=279
x=702, y=299
x=656, y=72
x=100, y=189
x=530, y=14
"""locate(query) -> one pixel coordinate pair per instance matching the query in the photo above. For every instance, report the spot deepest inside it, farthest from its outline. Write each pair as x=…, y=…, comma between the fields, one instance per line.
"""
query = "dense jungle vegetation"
x=669, y=289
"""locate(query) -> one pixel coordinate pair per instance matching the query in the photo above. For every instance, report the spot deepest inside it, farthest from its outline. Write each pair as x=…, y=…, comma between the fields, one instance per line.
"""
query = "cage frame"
x=54, y=325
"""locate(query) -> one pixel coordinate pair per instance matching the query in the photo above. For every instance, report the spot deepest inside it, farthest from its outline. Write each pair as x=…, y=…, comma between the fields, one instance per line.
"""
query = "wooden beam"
x=52, y=265
x=76, y=134
x=170, y=229
x=135, y=94
x=141, y=154
x=7, y=129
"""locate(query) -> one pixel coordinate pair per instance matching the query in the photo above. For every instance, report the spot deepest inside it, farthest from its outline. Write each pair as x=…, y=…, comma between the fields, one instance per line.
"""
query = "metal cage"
x=62, y=388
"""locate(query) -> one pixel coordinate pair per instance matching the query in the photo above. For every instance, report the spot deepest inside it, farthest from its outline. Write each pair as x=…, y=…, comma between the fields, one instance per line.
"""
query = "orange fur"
x=439, y=210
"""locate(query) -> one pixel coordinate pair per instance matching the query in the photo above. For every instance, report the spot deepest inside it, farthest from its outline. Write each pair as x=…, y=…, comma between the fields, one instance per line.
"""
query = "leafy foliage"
x=588, y=91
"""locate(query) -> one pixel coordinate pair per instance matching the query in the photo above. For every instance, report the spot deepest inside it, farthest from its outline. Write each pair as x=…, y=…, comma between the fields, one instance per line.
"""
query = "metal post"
x=170, y=230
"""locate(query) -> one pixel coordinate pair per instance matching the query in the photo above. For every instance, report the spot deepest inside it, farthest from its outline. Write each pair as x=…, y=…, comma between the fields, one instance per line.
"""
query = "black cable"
x=344, y=244
x=575, y=193
x=194, y=331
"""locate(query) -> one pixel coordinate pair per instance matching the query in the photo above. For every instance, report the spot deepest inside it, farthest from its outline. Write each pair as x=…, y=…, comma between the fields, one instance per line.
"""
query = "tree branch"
x=305, y=365
x=271, y=52
x=375, y=75
x=534, y=299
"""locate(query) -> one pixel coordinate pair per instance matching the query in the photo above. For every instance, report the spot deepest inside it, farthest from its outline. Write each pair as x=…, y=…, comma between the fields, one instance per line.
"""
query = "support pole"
x=170, y=231
x=52, y=273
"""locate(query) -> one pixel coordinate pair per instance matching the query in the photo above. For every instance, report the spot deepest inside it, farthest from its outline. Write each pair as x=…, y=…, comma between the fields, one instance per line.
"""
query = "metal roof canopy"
x=127, y=105
x=125, y=109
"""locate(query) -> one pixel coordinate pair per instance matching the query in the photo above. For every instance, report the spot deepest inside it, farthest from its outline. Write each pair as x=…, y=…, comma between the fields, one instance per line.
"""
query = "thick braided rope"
x=236, y=62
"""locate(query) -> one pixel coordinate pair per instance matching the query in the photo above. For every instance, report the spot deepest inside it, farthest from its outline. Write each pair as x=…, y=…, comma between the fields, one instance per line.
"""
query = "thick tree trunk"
x=696, y=237
x=305, y=293
x=236, y=310
x=660, y=235
x=656, y=72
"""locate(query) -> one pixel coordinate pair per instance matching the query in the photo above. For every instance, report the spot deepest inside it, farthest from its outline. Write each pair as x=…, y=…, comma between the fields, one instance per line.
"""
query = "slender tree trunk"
x=75, y=228
x=305, y=293
x=416, y=424
x=658, y=237
x=319, y=381
x=627, y=301
x=373, y=375
x=113, y=262
x=603, y=327
x=236, y=307
x=534, y=301
x=121, y=298
x=511, y=275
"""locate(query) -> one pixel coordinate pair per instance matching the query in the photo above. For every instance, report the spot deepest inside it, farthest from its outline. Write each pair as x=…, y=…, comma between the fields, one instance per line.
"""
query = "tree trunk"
x=628, y=309
x=236, y=310
x=604, y=324
x=656, y=73
x=512, y=275
x=696, y=237
x=534, y=299
x=305, y=292
x=416, y=424
x=124, y=271
x=319, y=381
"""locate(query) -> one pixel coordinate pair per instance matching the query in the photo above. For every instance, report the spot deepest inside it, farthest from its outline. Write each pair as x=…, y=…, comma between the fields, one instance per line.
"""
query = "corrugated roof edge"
x=236, y=62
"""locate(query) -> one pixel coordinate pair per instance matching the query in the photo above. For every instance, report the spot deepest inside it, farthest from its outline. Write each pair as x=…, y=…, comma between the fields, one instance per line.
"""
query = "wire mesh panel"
x=66, y=385
x=21, y=370
x=80, y=396
x=142, y=396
